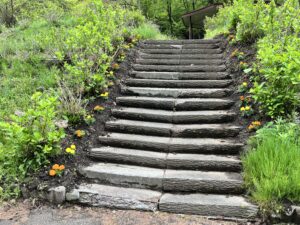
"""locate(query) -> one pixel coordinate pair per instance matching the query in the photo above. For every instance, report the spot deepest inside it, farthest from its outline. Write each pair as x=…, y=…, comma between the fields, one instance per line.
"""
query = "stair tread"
x=179, y=75
x=167, y=160
x=118, y=197
x=179, y=61
x=177, y=92
x=184, y=41
x=180, y=68
x=208, y=205
x=144, y=55
x=178, y=83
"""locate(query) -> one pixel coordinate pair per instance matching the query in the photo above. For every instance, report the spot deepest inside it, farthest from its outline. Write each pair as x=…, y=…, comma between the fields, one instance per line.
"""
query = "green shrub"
x=271, y=167
x=149, y=31
x=28, y=140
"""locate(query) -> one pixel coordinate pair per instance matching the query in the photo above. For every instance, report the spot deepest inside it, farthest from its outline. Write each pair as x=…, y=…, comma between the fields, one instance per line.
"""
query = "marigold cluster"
x=56, y=170
x=254, y=125
x=104, y=95
x=246, y=108
x=71, y=150
x=79, y=133
x=98, y=108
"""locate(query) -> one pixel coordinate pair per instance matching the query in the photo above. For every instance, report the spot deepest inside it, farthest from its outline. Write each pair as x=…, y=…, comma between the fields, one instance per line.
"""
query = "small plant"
x=80, y=133
x=56, y=170
x=105, y=95
x=115, y=66
x=99, y=108
x=243, y=65
x=89, y=119
x=244, y=87
x=71, y=150
x=255, y=125
x=246, y=111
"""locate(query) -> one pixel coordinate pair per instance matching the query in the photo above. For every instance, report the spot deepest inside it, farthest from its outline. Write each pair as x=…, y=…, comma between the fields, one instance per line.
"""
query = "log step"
x=165, y=160
x=179, y=62
x=195, y=41
x=182, y=51
x=179, y=46
x=97, y=195
x=170, y=144
x=208, y=205
x=178, y=83
x=180, y=68
x=170, y=130
x=177, y=92
x=179, y=56
x=180, y=117
x=175, y=104
x=166, y=180
x=180, y=76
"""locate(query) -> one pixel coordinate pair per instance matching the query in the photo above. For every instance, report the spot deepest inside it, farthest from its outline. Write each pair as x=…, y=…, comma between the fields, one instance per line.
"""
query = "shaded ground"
x=23, y=213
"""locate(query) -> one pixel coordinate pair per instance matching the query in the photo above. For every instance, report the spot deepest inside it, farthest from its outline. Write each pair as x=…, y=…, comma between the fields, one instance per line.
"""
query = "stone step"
x=180, y=117
x=178, y=83
x=180, y=56
x=171, y=144
x=181, y=68
x=170, y=130
x=97, y=195
x=179, y=46
x=165, y=160
x=212, y=62
x=194, y=41
x=177, y=92
x=166, y=180
x=208, y=205
x=175, y=104
x=180, y=76
x=182, y=51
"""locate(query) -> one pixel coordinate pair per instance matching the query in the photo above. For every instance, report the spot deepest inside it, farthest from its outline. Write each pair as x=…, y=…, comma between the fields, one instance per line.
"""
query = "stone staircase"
x=171, y=145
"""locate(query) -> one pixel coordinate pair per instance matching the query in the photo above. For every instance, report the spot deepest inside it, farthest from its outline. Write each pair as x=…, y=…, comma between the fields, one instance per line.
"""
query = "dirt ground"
x=25, y=213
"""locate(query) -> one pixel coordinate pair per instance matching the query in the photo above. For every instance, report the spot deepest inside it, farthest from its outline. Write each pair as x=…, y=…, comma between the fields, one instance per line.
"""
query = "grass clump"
x=271, y=166
x=149, y=31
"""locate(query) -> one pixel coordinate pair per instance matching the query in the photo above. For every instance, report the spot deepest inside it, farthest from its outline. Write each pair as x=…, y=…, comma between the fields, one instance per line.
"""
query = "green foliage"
x=271, y=167
x=279, y=61
x=276, y=30
x=30, y=138
x=149, y=31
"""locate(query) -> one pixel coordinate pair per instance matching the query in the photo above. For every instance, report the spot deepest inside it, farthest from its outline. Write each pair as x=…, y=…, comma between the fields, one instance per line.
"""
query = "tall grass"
x=272, y=166
x=151, y=31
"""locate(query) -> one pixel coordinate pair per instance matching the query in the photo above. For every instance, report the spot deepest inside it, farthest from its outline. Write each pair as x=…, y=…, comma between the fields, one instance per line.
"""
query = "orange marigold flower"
x=52, y=173
x=251, y=127
x=55, y=167
x=61, y=167
x=242, y=98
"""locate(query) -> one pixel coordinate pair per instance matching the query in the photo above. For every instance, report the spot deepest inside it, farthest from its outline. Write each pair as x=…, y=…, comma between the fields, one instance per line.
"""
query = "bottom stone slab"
x=118, y=197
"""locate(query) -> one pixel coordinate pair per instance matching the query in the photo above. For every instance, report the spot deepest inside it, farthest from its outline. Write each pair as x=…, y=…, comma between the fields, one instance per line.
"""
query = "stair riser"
x=169, y=147
x=195, y=41
x=176, y=93
x=178, y=84
x=178, y=62
x=169, y=105
x=183, y=51
x=205, y=186
x=162, y=163
x=172, y=132
x=163, y=68
x=179, y=56
x=184, y=119
x=182, y=46
x=180, y=76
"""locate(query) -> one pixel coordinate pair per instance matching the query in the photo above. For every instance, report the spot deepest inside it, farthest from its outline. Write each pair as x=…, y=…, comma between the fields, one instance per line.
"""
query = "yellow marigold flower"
x=73, y=147
x=99, y=108
x=242, y=109
x=72, y=152
x=61, y=167
x=110, y=84
x=68, y=150
x=245, y=84
x=55, y=167
x=251, y=127
x=52, y=173
x=247, y=108
x=105, y=94
x=79, y=133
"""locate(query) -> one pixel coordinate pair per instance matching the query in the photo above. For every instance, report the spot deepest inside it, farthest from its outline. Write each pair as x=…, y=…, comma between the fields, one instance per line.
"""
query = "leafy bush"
x=149, y=31
x=271, y=167
x=30, y=138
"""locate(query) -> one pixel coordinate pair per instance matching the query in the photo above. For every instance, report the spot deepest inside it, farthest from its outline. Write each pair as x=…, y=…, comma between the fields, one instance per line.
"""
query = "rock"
x=62, y=124
x=73, y=195
x=57, y=195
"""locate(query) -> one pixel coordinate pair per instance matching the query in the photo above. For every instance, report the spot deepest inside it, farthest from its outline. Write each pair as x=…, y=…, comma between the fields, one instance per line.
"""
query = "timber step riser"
x=170, y=42
x=183, y=68
x=186, y=46
x=143, y=55
x=182, y=51
x=178, y=62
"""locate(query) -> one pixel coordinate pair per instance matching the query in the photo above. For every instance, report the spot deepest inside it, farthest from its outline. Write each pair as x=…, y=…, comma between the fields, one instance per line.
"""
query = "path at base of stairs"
x=171, y=144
